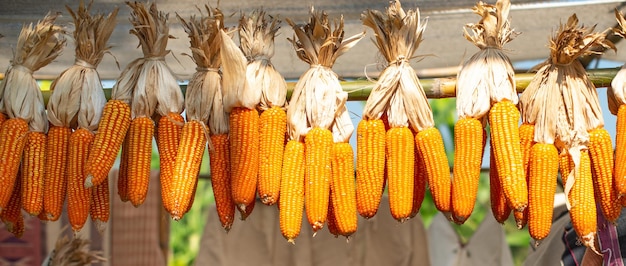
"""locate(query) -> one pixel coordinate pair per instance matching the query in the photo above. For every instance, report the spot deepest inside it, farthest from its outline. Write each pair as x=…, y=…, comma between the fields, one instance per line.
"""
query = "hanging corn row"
x=300, y=158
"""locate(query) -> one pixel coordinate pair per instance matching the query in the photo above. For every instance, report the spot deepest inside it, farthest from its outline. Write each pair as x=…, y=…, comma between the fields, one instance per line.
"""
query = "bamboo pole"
x=435, y=88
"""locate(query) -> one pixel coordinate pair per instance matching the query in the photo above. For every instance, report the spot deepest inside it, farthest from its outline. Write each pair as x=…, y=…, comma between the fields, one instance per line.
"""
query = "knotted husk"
x=398, y=92
x=77, y=98
x=37, y=46
x=318, y=99
x=204, y=91
x=256, y=38
x=488, y=76
x=561, y=101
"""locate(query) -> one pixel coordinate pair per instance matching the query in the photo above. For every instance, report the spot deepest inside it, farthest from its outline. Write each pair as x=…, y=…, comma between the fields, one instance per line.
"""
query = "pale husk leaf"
x=317, y=100
x=237, y=92
x=36, y=47
x=618, y=84
x=256, y=34
x=74, y=252
x=81, y=81
x=398, y=91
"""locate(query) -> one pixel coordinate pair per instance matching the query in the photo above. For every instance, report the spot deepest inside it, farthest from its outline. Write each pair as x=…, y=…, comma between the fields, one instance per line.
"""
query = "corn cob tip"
x=459, y=219
x=317, y=226
x=89, y=181
x=402, y=220
x=519, y=223
x=268, y=199
x=589, y=241
x=242, y=211
x=14, y=229
x=537, y=242
x=292, y=241
x=348, y=239
x=227, y=228
x=101, y=226
x=448, y=216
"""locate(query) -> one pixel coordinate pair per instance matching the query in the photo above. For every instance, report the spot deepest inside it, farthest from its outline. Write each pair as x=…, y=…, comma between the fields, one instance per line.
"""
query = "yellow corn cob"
x=503, y=119
x=122, y=175
x=430, y=144
x=419, y=182
x=168, y=137
x=244, y=155
x=343, y=189
x=370, y=166
x=187, y=167
x=272, y=128
x=99, y=206
x=11, y=216
x=13, y=135
x=291, y=200
x=543, y=171
x=55, y=179
x=566, y=165
x=583, y=205
x=112, y=129
x=220, y=180
x=400, y=169
x=33, y=164
x=318, y=150
x=78, y=197
x=601, y=153
x=620, y=152
x=468, y=142
x=499, y=206
x=526, y=138
x=139, y=156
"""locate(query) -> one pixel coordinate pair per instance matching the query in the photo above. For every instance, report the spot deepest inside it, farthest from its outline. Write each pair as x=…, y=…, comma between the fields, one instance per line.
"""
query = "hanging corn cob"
x=562, y=104
x=618, y=85
x=399, y=96
x=37, y=46
x=203, y=106
x=256, y=33
x=316, y=108
x=486, y=78
x=12, y=215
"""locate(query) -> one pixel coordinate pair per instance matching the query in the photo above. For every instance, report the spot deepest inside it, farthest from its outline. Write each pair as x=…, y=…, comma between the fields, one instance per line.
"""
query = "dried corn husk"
x=256, y=34
x=37, y=46
x=73, y=252
x=398, y=92
x=318, y=99
x=488, y=76
x=618, y=84
x=204, y=91
x=77, y=98
x=561, y=101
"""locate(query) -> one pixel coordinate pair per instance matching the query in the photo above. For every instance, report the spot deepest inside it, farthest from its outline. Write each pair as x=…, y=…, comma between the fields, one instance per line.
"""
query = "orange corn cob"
x=55, y=179
x=468, y=142
x=419, y=183
x=139, y=157
x=168, y=137
x=100, y=204
x=319, y=146
x=11, y=216
x=291, y=200
x=430, y=144
x=122, y=175
x=331, y=220
x=272, y=128
x=601, y=153
x=400, y=170
x=3, y=118
x=370, y=166
x=112, y=129
x=220, y=180
x=343, y=189
x=187, y=167
x=620, y=152
x=33, y=164
x=13, y=135
x=526, y=138
x=78, y=197
x=583, y=206
x=499, y=206
x=244, y=155
x=503, y=119
x=543, y=171
x=566, y=165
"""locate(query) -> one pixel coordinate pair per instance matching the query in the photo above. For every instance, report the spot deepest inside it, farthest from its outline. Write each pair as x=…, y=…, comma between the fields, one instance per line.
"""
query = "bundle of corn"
x=256, y=33
x=317, y=107
x=240, y=101
x=618, y=87
x=203, y=106
x=77, y=102
x=485, y=78
x=562, y=104
x=27, y=125
x=399, y=95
